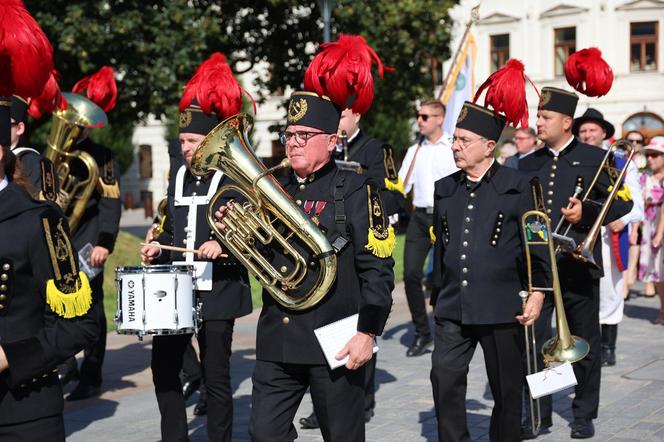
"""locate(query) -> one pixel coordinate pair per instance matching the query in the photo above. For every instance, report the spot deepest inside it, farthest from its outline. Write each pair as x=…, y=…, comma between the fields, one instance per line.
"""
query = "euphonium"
x=299, y=266
x=584, y=250
x=68, y=124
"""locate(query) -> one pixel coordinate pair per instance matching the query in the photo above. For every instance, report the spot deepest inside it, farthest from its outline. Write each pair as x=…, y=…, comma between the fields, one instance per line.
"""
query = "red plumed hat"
x=214, y=88
x=506, y=92
x=26, y=56
x=342, y=71
x=101, y=88
x=587, y=72
x=50, y=99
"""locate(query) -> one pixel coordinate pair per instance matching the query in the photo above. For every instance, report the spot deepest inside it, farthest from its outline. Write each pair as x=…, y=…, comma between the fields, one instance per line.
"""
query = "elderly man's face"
x=189, y=142
x=592, y=133
x=308, y=148
x=470, y=149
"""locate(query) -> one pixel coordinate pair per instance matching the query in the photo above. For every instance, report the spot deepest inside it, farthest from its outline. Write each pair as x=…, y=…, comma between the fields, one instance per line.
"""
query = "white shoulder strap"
x=18, y=151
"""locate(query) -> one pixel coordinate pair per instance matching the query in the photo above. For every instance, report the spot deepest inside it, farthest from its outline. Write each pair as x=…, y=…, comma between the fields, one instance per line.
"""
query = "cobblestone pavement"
x=631, y=404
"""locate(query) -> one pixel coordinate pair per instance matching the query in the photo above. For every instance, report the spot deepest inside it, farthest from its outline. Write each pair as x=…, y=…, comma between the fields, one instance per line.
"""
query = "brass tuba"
x=269, y=234
x=68, y=125
x=584, y=250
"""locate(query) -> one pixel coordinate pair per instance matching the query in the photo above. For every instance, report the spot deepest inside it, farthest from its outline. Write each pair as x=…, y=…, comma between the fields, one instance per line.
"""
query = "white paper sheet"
x=333, y=337
x=551, y=380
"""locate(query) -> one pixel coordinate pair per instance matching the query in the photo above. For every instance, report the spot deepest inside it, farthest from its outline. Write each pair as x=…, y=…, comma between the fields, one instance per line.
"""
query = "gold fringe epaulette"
x=111, y=191
x=395, y=187
x=70, y=305
x=624, y=193
x=432, y=235
x=382, y=248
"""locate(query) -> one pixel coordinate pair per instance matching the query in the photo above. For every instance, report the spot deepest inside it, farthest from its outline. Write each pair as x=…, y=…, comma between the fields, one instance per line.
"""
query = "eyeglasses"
x=464, y=142
x=301, y=136
x=425, y=117
x=523, y=138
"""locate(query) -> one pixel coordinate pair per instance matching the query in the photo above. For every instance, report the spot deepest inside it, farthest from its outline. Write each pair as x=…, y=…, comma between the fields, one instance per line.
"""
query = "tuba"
x=584, y=250
x=268, y=233
x=68, y=125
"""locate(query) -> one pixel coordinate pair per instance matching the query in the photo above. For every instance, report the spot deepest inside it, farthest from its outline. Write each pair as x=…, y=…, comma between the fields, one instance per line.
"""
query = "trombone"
x=564, y=347
x=584, y=250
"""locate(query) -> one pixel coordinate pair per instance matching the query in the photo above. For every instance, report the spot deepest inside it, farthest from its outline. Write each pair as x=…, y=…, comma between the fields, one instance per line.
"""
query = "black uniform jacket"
x=377, y=160
x=40, y=172
x=363, y=284
x=230, y=296
x=100, y=222
x=577, y=163
x=34, y=338
x=479, y=261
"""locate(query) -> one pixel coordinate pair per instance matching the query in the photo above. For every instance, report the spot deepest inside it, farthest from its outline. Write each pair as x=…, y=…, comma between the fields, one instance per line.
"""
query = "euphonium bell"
x=300, y=267
x=68, y=125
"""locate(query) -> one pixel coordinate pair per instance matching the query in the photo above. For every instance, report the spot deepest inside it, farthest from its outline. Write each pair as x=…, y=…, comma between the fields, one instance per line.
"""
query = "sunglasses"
x=425, y=117
x=653, y=154
x=632, y=140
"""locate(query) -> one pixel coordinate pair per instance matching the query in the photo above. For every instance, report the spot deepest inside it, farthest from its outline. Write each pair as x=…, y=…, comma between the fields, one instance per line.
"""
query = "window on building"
x=145, y=161
x=643, y=46
x=648, y=123
x=564, y=46
x=500, y=50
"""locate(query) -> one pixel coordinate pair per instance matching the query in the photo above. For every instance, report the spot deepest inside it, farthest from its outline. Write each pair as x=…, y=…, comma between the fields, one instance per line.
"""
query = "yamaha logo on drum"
x=131, y=303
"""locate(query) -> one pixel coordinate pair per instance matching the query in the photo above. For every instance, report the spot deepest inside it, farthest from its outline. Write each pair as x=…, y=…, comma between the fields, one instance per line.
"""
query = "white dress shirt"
x=434, y=161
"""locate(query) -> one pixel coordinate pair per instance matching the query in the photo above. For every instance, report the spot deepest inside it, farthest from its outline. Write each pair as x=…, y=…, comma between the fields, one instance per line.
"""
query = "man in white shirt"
x=425, y=163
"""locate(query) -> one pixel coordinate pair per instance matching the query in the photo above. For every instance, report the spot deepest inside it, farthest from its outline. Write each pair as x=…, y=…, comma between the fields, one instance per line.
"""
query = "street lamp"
x=326, y=7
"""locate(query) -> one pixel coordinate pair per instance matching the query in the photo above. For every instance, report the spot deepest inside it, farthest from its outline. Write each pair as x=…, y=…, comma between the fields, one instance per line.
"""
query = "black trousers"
x=581, y=299
x=215, y=338
x=93, y=356
x=192, y=368
x=46, y=429
x=338, y=397
x=370, y=384
x=503, y=351
x=418, y=243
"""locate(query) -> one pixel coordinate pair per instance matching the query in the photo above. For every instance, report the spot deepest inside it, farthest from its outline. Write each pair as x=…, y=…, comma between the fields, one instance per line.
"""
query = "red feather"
x=587, y=72
x=50, y=98
x=342, y=71
x=214, y=87
x=101, y=88
x=506, y=92
x=26, y=56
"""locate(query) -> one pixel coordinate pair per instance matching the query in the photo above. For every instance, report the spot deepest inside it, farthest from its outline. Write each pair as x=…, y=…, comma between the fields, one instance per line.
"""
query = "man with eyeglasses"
x=562, y=165
x=479, y=267
x=525, y=139
x=347, y=208
x=429, y=160
x=38, y=169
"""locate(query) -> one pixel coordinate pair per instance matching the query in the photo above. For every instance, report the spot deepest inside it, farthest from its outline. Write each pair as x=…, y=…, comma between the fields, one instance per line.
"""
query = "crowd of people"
x=319, y=221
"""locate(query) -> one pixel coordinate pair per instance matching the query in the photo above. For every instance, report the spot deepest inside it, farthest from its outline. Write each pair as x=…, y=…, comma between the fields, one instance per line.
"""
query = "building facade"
x=542, y=34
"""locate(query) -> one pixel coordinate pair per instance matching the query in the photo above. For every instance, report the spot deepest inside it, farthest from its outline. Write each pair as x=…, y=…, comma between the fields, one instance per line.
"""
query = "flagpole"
x=474, y=18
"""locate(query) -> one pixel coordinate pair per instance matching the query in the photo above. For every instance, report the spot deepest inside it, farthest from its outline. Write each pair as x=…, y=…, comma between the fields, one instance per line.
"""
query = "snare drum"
x=155, y=300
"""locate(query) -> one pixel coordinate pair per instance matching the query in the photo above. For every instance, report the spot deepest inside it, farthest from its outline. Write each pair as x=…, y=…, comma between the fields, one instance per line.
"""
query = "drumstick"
x=178, y=249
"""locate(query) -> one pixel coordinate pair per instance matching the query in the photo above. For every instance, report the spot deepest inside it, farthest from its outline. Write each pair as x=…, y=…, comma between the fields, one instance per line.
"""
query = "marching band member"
x=563, y=164
x=38, y=169
x=347, y=207
x=99, y=227
x=591, y=128
x=376, y=159
x=222, y=284
x=44, y=309
x=479, y=266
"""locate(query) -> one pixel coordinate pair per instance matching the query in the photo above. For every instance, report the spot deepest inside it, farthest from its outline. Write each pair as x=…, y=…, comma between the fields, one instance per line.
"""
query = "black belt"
x=425, y=210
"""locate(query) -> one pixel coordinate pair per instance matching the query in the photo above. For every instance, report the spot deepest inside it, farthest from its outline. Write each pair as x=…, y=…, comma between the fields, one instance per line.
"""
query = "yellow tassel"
x=111, y=191
x=432, y=235
x=624, y=193
x=382, y=248
x=395, y=187
x=70, y=305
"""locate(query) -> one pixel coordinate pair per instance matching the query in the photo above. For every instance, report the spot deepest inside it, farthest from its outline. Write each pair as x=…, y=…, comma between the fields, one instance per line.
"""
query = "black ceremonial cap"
x=480, y=120
x=312, y=110
x=558, y=100
x=194, y=121
x=19, y=109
